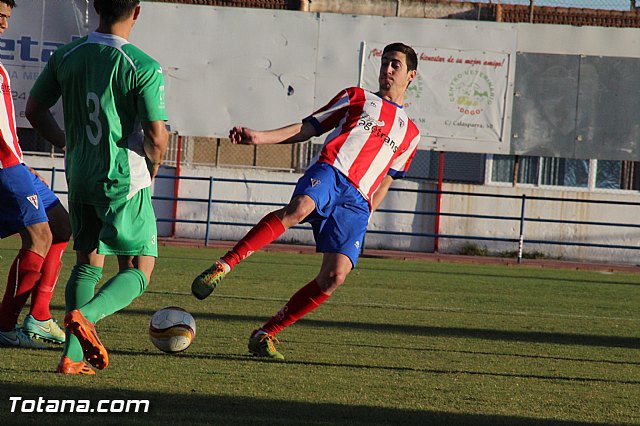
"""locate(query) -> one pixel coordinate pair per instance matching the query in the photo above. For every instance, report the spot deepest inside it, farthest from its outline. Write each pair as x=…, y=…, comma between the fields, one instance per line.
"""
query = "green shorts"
x=128, y=228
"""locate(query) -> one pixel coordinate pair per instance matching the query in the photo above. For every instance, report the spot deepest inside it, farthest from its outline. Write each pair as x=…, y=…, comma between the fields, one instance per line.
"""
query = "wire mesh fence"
x=582, y=4
x=219, y=152
x=318, y=5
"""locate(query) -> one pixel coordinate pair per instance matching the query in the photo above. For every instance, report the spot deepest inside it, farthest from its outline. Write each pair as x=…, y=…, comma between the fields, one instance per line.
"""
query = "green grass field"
x=402, y=343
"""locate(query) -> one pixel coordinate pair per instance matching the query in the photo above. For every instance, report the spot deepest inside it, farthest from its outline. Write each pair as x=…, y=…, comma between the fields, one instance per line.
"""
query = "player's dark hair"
x=112, y=11
x=412, y=58
x=10, y=3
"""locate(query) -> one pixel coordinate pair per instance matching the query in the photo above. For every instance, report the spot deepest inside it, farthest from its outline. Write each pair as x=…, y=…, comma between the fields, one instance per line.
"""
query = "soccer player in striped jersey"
x=115, y=138
x=371, y=142
x=32, y=210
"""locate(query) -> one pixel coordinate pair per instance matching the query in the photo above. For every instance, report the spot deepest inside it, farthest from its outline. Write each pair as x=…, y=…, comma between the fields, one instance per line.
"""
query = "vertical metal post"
x=176, y=186
x=521, y=239
x=363, y=57
x=86, y=16
x=53, y=179
x=217, y=152
x=209, y=204
x=438, y=201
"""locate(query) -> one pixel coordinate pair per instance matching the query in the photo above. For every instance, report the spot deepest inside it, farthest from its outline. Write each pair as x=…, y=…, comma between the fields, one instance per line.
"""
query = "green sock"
x=79, y=290
x=115, y=294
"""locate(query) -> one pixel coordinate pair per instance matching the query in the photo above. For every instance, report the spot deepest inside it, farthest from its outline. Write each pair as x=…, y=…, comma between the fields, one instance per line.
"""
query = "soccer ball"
x=172, y=329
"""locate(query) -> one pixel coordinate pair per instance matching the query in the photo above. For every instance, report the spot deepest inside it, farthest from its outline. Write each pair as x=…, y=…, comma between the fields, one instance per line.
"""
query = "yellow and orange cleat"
x=204, y=284
x=94, y=351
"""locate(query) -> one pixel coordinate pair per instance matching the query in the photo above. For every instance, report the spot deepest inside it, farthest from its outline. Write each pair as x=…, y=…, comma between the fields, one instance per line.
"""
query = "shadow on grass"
x=433, y=331
x=455, y=332
x=366, y=366
x=191, y=408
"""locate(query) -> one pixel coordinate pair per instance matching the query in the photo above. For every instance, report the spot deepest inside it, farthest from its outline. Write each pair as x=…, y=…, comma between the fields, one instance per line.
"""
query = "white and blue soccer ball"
x=172, y=329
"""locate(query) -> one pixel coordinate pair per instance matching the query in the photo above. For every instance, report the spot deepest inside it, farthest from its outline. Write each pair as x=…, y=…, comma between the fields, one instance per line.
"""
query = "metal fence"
x=427, y=166
x=196, y=151
x=582, y=4
x=512, y=233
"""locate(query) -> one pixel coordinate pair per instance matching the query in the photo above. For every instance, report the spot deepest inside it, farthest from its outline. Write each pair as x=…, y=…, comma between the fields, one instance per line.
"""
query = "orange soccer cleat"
x=94, y=351
x=67, y=366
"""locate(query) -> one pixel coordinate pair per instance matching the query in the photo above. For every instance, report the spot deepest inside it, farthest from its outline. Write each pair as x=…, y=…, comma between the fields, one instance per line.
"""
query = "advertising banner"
x=456, y=93
x=36, y=29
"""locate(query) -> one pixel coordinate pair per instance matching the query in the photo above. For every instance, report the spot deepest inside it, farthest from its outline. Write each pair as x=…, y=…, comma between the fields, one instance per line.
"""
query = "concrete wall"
x=547, y=210
x=409, y=223
x=279, y=194
x=239, y=216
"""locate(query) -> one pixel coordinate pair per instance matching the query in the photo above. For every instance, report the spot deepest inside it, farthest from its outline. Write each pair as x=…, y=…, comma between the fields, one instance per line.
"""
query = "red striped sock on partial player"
x=265, y=232
x=24, y=273
x=304, y=301
x=43, y=290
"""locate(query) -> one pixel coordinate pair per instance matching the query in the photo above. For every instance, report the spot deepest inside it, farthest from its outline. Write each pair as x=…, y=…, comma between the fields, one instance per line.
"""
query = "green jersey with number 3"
x=108, y=87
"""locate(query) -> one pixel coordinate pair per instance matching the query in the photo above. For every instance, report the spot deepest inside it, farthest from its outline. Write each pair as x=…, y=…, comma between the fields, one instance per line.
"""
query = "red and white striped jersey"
x=370, y=138
x=10, y=152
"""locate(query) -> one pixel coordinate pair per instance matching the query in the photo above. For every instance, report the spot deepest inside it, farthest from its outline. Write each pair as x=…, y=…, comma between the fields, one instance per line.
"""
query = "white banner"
x=291, y=63
x=36, y=29
x=456, y=94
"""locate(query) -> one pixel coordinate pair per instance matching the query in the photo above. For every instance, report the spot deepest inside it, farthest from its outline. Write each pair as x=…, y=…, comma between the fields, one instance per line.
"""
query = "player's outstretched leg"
x=266, y=231
x=206, y=282
x=94, y=351
x=67, y=366
x=305, y=300
x=262, y=344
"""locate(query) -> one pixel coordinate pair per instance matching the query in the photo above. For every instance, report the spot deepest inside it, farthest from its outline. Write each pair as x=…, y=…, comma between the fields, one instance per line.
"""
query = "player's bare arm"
x=43, y=122
x=156, y=139
x=293, y=133
x=381, y=192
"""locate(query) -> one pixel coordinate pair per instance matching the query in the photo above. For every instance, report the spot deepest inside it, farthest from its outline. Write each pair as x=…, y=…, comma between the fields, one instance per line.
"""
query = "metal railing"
x=209, y=220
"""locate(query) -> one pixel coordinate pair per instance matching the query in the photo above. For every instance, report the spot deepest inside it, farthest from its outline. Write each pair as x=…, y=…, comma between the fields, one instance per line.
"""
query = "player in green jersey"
x=115, y=138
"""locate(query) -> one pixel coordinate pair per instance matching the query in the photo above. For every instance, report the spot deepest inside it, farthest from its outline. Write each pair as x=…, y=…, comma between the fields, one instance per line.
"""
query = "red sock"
x=265, y=232
x=304, y=301
x=43, y=291
x=24, y=273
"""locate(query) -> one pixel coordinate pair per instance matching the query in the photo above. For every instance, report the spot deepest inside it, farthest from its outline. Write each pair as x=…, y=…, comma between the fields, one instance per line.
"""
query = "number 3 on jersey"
x=93, y=103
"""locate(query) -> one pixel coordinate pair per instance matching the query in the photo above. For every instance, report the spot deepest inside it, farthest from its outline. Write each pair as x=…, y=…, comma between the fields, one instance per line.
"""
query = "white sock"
x=225, y=265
